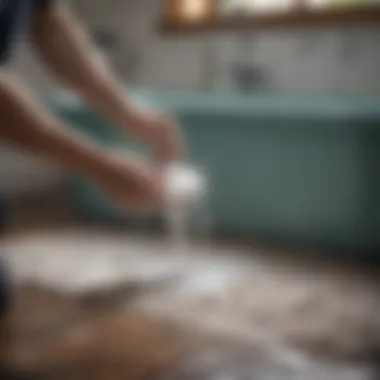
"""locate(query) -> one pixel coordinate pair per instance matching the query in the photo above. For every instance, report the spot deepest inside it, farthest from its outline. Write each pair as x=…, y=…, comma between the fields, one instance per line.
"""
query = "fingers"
x=169, y=143
x=145, y=201
x=142, y=190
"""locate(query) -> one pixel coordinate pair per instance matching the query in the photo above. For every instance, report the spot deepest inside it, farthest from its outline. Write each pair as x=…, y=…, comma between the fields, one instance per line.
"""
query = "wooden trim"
x=294, y=19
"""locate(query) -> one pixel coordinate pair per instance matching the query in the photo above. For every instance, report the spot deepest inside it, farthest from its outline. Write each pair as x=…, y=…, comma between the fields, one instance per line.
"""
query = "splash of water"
x=186, y=190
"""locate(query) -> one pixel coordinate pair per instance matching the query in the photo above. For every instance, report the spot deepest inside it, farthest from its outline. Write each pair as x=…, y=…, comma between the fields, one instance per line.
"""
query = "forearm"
x=25, y=124
x=65, y=47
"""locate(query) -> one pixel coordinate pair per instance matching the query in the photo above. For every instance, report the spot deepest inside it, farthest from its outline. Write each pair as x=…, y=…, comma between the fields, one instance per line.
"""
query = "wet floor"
x=289, y=320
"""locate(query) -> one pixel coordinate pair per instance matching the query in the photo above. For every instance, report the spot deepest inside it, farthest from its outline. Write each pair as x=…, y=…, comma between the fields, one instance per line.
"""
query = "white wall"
x=307, y=60
x=164, y=62
x=325, y=61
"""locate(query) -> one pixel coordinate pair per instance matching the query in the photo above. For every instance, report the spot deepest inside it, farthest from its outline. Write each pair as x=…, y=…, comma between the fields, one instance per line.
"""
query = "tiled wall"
x=303, y=60
x=334, y=61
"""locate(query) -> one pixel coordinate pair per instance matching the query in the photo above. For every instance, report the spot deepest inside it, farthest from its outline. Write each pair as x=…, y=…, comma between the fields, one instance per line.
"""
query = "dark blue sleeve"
x=43, y=3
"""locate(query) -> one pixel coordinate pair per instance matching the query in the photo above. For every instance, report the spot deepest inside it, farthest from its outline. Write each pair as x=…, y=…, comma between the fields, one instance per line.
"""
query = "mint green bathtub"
x=300, y=168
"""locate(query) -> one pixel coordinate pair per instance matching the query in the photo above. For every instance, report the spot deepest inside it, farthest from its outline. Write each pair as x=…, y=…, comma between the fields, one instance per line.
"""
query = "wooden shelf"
x=294, y=19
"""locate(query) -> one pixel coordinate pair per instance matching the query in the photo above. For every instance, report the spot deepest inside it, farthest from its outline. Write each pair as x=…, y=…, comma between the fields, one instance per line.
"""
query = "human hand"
x=162, y=134
x=130, y=183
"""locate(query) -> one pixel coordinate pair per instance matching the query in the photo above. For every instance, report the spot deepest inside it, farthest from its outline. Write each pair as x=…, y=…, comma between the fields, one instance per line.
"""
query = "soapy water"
x=187, y=205
x=185, y=226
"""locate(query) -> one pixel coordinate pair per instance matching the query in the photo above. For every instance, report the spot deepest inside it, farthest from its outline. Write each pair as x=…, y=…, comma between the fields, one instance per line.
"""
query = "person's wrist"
x=94, y=163
x=136, y=121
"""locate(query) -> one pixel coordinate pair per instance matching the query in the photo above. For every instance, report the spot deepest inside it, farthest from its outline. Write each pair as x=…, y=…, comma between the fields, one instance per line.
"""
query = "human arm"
x=64, y=45
x=27, y=125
